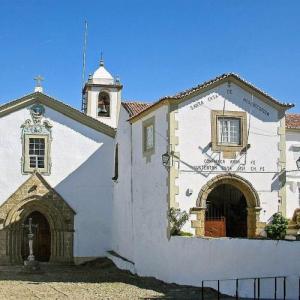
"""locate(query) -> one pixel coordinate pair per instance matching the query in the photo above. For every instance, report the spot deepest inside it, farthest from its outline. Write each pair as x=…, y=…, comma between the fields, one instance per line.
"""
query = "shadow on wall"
x=88, y=190
x=90, y=177
x=75, y=125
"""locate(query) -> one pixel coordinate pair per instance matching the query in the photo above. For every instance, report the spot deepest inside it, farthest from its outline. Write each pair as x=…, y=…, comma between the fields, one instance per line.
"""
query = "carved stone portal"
x=36, y=195
x=251, y=196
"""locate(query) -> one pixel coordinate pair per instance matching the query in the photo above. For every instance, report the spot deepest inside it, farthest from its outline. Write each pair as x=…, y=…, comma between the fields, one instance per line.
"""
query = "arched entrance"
x=54, y=237
x=226, y=212
x=41, y=239
x=238, y=197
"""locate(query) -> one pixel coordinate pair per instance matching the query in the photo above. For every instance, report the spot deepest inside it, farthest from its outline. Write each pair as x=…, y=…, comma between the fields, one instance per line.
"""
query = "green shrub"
x=184, y=233
x=277, y=228
x=177, y=219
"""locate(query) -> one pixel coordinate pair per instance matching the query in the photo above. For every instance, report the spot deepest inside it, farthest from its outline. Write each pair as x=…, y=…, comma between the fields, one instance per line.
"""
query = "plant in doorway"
x=177, y=219
x=277, y=228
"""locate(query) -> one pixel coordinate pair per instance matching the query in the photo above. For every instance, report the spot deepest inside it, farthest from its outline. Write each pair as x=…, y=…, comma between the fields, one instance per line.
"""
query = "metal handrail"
x=256, y=286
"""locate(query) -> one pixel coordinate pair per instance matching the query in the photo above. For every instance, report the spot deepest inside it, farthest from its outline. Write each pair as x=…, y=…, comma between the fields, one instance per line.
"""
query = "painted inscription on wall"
x=214, y=96
x=256, y=106
x=203, y=100
x=229, y=165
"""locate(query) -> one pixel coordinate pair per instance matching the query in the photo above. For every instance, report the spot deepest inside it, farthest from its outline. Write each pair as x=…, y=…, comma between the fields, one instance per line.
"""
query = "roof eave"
x=60, y=107
x=209, y=85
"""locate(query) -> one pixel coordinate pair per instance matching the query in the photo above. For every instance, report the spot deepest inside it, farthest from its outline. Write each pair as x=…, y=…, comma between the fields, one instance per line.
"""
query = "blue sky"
x=156, y=47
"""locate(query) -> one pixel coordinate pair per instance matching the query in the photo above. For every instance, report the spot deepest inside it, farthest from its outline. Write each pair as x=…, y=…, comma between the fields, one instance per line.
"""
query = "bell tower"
x=102, y=96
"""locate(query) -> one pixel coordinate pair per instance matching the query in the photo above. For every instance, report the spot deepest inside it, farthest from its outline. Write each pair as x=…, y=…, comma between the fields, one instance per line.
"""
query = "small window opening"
x=116, y=176
x=103, y=105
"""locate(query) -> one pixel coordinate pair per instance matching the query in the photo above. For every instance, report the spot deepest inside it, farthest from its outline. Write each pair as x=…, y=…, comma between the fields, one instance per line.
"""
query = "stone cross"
x=30, y=238
x=38, y=79
x=38, y=83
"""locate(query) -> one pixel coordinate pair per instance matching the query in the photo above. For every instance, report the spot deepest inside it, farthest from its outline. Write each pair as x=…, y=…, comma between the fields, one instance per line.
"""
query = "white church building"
x=101, y=182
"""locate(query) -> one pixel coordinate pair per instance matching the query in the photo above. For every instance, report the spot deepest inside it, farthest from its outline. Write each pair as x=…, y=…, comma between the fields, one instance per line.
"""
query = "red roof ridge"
x=217, y=79
x=292, y=121
x=134, y=108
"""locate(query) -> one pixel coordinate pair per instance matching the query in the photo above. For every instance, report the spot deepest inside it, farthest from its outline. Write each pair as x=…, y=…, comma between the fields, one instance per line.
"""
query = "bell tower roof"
x=101, y=75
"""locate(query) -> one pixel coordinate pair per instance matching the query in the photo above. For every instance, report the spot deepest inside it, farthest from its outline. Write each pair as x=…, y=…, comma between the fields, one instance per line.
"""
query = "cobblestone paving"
x=98, y=280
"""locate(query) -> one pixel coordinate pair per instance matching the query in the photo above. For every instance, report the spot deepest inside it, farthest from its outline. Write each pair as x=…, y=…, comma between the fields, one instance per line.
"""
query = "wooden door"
x=215, y=227
x=41, y=240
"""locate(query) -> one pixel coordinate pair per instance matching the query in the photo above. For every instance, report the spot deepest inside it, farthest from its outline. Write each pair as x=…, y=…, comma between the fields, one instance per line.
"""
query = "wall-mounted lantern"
x=167, y=159
x=298, y=163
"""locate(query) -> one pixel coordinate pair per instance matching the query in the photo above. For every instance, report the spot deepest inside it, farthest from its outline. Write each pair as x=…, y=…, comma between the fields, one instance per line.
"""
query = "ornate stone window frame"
x=26, y=157
x=148, y=152
x=35, y=128
x=218, y=147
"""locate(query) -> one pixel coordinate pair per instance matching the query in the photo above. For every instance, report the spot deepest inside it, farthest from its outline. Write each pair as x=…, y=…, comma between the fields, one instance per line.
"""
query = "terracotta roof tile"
x=208, y=83
x=292, y=121
x=134, y=108
x=225, y=76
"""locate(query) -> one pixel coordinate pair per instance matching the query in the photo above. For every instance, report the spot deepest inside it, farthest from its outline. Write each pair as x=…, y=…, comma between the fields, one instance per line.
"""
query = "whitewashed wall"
x=194, y=133
x=292, y=178
x=188, y=261
x=191, y=260
x=81, y=173
x=122, y=221
x=150, y=194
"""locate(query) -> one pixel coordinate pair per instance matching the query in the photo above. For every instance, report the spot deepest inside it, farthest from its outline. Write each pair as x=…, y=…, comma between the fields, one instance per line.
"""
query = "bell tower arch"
x=102, y=96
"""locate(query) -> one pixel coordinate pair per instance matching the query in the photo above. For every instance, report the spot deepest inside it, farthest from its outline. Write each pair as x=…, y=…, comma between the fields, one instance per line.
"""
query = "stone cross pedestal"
x=30, y=264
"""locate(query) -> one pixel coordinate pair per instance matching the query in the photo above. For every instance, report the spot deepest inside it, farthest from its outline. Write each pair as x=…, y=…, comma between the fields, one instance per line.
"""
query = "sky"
x=157, y=47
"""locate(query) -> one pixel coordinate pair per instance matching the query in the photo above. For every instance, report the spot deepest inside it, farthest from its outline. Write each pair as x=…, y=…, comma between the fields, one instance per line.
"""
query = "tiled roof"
x=217, y=79
x=292, y=121
x=225, y=76
x=134, y=108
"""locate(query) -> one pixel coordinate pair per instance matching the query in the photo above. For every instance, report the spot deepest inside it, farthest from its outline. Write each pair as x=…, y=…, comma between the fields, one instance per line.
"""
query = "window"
x=37, y=153
x=229, y=131
x=116, y=176
x=35, y=156
x=103, y=109
x=148, y=137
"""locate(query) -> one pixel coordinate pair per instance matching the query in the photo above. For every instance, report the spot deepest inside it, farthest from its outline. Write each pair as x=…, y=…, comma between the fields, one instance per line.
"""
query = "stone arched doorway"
x=238, y=184
x=36, y=198
x=226, y=212
x=41, y=238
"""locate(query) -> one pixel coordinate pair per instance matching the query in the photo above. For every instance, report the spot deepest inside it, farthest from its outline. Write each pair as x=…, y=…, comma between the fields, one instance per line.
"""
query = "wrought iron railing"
x=256, y=286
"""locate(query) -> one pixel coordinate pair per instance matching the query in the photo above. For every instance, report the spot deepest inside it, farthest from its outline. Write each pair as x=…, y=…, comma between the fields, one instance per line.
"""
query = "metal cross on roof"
x=38, y=79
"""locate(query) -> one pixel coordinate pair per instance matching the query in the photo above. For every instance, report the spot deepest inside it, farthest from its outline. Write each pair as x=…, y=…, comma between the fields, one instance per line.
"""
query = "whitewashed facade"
x=151, y=251
x=114, y=193
x=81, y=162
